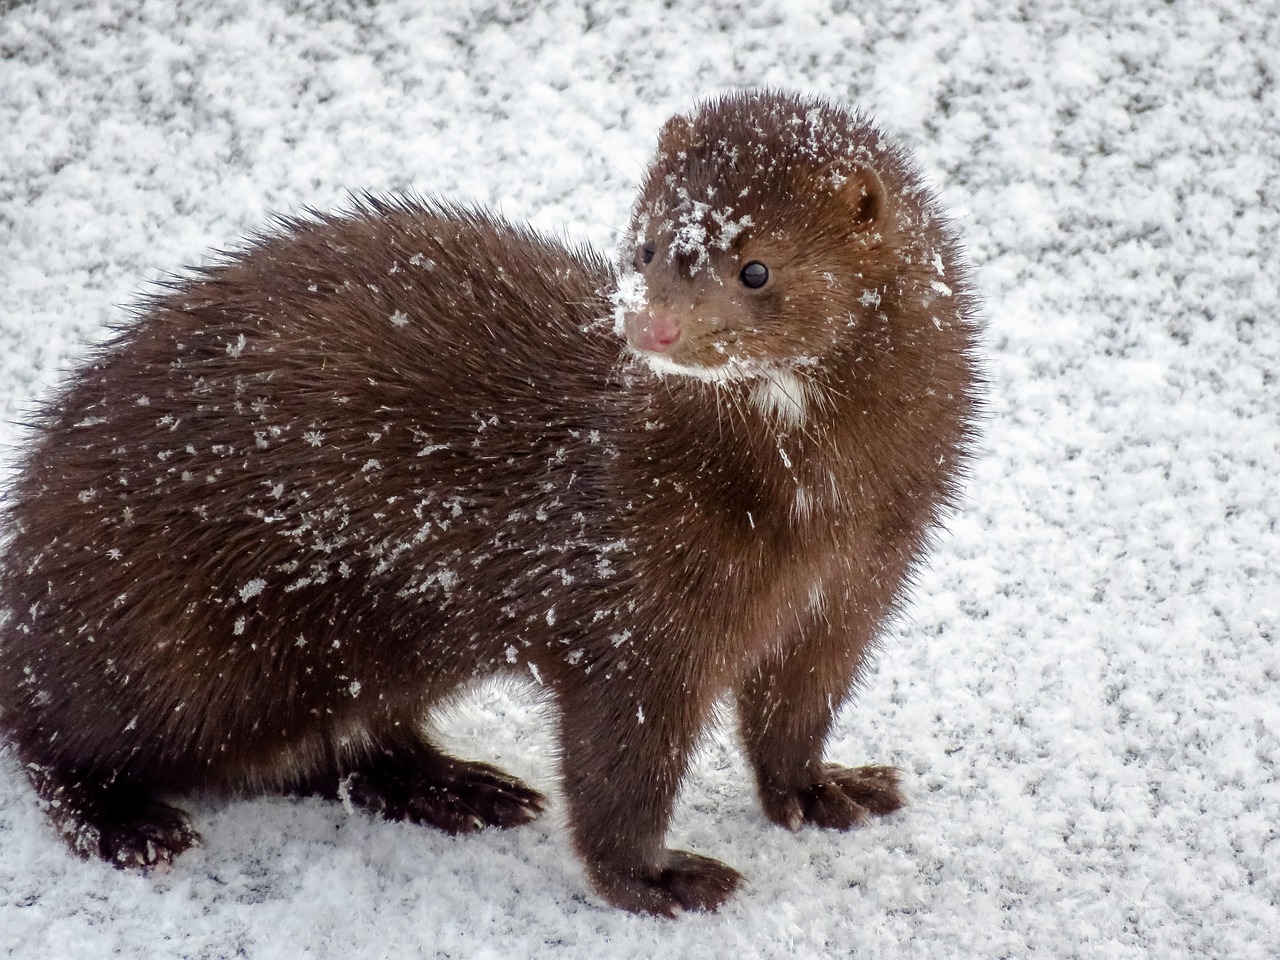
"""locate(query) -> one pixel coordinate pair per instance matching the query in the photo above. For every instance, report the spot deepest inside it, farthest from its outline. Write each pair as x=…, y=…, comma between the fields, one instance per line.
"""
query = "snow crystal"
x=252, y=588
x=344, y=794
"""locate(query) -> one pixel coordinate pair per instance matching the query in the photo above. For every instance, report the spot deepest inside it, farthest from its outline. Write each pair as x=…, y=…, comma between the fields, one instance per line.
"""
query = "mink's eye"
x=754, y=275
x=647, y=250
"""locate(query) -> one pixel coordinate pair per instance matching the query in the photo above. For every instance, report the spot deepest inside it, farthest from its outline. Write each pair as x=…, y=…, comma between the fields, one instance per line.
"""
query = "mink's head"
x=771, y=228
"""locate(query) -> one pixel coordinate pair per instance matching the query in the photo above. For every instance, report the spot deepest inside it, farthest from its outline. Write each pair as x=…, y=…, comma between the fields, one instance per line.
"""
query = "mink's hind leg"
x=119, y=822
x=406, y=777
x=786, y=708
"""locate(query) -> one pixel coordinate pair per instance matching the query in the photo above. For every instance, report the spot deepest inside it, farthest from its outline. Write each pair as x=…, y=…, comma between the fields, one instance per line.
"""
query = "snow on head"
x=700, y=226
x=630, y=296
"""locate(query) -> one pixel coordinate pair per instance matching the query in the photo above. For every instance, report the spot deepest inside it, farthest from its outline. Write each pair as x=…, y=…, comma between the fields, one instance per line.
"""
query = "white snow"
x=1085, y=695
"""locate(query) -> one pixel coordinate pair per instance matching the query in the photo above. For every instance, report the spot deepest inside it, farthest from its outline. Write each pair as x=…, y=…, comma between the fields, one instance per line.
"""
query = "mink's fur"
x=310, y=491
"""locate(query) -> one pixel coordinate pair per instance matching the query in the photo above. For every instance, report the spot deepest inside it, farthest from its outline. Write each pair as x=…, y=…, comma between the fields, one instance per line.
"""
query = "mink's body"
x=319, y=486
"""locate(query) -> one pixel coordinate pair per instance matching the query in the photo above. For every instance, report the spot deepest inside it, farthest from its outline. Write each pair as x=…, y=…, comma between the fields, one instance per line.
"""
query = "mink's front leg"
x=625, y=746
x=786, y=707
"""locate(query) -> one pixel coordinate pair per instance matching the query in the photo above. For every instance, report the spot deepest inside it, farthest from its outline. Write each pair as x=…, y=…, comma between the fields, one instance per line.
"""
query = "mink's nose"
x=654, y=332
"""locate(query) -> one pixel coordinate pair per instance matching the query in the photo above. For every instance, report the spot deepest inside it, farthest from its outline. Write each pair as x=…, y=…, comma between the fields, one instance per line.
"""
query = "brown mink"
x=310, y=491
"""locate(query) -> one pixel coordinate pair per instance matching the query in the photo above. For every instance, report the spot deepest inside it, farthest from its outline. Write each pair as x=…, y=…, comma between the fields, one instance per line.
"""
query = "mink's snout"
x=653, y=332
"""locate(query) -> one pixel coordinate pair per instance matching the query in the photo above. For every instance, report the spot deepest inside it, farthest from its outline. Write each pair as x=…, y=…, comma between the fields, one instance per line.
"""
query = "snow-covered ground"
x=1086, y=694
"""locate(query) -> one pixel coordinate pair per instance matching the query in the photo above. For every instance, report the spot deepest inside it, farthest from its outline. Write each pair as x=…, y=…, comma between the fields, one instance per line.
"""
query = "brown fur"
x=319, y=486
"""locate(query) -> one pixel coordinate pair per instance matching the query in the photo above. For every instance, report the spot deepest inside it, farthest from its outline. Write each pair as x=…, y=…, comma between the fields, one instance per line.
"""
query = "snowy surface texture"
x=1084, y=697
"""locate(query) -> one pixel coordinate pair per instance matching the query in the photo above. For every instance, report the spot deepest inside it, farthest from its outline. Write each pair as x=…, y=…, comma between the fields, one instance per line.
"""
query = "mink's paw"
x=683, y=881
x=120, y=822
x=149, y=837
x=841, y=798
x=456, y=797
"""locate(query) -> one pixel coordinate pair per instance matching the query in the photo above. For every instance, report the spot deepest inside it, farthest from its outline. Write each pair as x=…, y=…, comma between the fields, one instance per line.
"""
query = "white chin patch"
x=723, y=373
x=777, y=393
x=783, y=396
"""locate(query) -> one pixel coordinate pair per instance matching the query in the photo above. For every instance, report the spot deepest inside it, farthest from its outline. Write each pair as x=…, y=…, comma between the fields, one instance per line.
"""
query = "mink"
x=310, y=491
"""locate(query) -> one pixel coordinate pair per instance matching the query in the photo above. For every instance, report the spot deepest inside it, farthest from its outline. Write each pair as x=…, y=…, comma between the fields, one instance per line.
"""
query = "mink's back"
x=298, y=469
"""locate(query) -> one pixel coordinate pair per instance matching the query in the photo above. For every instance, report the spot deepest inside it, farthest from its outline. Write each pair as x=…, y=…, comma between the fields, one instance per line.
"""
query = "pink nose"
x=653, y=332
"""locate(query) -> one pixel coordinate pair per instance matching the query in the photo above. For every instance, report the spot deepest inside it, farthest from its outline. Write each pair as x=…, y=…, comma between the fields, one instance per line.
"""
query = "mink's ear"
x=863, y=195
x=675, y=136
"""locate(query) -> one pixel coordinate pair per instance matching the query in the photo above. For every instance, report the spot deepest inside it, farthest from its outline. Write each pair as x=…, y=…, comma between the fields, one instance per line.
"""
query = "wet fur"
x=312, y=490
